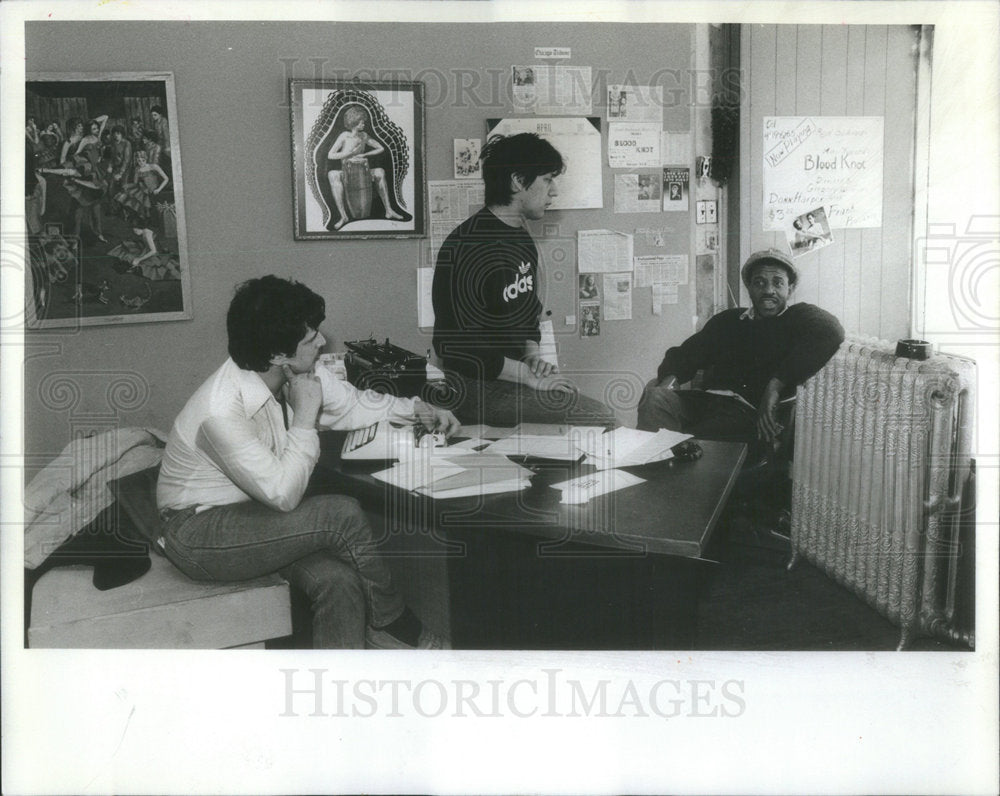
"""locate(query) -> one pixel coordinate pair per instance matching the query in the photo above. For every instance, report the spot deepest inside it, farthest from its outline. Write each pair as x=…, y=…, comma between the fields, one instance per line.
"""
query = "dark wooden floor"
x=750, y=601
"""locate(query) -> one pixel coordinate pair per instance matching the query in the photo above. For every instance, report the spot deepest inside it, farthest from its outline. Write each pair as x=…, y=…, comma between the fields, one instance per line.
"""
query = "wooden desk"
x=526, y=572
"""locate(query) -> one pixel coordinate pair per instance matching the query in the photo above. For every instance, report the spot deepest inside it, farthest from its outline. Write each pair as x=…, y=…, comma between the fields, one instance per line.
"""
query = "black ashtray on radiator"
x=914, y=349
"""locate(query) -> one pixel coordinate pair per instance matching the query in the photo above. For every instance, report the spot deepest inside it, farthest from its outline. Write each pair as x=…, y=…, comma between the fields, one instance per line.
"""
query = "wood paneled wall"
x=865, y=276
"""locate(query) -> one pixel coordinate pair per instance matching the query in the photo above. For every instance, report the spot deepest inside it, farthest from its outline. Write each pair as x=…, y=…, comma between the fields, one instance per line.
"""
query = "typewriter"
x=385, y=367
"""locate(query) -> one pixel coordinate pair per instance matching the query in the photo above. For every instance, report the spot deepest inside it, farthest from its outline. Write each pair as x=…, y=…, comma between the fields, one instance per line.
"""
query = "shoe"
x=381, y=640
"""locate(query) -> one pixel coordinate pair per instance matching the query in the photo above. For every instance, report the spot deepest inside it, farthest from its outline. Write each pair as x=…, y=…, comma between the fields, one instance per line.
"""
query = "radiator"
x=882, y=452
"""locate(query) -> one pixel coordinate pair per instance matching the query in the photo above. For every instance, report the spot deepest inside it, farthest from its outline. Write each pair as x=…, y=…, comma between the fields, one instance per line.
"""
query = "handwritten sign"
x=830, y=161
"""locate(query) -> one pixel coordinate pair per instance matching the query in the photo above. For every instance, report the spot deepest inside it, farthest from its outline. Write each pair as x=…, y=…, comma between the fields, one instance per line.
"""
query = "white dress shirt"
x=229, y=444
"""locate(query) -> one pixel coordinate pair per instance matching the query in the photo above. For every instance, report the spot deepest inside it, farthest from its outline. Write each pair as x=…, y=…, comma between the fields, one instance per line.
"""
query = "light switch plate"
x=711, y=211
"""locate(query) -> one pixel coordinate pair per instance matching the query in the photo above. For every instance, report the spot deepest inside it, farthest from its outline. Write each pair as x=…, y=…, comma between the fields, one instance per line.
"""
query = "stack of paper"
x=438, y=476
x=629, y=447
x=558, y=448
x=583, y=488
x=548, y=441
x=480, y=431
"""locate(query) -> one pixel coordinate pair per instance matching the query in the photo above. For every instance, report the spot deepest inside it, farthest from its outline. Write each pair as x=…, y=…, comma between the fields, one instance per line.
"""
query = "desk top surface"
x=674, y=512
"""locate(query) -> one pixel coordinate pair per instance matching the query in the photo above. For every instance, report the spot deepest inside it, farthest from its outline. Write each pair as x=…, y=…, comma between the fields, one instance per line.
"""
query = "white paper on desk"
x=583, y=488
x=418, y=472
x=731, y=394
x=482, y=469
x=512, y=485
x=629, y=447
x=468, y=444
x=558, y=448
x=486, y=432
x=587, y=438
x=541, y=429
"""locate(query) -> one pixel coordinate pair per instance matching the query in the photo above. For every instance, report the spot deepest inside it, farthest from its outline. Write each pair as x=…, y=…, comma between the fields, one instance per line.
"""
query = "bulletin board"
x=578, y=139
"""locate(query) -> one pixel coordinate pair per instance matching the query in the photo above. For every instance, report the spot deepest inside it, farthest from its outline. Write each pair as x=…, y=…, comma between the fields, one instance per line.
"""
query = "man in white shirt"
x=239, y=458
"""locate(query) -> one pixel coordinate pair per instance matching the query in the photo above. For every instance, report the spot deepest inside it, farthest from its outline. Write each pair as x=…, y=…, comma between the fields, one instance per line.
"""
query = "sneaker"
x=381, y=640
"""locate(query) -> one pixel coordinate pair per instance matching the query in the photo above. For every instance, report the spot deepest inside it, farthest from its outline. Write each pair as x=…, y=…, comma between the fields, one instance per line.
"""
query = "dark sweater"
x=744, y=355
x=484, y=294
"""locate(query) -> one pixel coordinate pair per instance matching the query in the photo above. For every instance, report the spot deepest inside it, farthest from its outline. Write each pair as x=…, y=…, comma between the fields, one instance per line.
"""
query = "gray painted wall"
x=233, y=123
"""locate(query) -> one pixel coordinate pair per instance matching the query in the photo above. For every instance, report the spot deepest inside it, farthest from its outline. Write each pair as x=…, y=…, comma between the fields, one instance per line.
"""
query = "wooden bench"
x=164, y=609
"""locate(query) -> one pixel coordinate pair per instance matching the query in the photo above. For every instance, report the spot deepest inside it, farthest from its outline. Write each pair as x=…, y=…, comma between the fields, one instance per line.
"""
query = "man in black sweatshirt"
x=485, y=296
x=752, y=360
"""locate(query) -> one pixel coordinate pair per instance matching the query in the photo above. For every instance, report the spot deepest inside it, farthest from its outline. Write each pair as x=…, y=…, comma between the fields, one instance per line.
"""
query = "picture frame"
x=104, y=201
x=372, y=133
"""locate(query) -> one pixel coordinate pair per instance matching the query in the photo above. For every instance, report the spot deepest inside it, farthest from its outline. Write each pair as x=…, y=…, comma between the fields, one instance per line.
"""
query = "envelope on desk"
x=584, y=487
x=540, y=447
x=629, y=447
x=419, y=472
x=468, y=474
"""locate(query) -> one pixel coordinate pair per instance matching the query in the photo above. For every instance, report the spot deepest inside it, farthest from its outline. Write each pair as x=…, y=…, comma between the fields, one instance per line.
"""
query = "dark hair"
x=151, y=135
x=71, y=124
x=118, y=129
x=270, y=316
x=524, y=154
x=157, y=109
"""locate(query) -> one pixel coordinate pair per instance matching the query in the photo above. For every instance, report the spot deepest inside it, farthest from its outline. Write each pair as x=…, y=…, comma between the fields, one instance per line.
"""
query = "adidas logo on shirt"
x=523, y=285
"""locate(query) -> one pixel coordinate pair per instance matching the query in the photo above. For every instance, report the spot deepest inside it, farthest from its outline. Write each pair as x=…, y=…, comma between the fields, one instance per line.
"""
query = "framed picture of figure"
x=357, y=159
x=104, y=203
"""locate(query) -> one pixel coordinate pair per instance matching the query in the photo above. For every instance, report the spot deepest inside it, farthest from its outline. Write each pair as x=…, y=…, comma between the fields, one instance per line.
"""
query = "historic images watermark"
x=319, y=693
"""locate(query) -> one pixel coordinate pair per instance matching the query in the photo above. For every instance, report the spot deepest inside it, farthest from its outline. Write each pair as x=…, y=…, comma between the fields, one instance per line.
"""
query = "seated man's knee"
x=658, y=408
x=337, y=512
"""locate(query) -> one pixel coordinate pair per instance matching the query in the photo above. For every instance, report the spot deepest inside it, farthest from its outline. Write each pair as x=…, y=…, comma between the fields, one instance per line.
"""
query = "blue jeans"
x=506, y=403
x=323, y=547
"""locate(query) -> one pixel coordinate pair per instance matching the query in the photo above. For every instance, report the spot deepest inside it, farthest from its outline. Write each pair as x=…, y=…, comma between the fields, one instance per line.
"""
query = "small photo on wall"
x=675, y=188
x=467, y=165
x=590, y=319
x=809, y=232
x=588, y=287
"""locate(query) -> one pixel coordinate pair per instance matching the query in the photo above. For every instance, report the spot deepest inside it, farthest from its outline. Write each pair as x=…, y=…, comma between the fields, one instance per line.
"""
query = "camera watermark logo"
x=969, y=264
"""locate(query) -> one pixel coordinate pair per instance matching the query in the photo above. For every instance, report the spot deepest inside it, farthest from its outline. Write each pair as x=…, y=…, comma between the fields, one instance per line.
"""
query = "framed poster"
x=357, y=159
x=104, y=204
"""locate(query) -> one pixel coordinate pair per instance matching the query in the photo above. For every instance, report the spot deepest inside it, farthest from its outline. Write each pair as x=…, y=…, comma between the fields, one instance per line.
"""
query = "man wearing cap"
x=752, y=360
